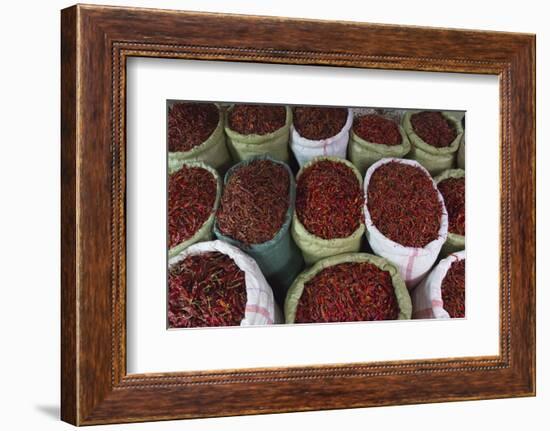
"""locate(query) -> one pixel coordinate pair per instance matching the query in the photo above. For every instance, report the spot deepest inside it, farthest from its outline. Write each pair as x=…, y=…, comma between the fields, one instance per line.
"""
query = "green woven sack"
x=279, y=258
x=205, y=231
x=314, y=248
x=364, y=153
x=461, y=154
x=401, y=292
x=434, y=159
x=454, y=241
x=213, y=151
x=274, y=144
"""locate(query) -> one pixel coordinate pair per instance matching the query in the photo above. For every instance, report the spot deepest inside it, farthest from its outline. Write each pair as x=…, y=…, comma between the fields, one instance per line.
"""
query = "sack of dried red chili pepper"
x=215, y=284
x=435, y=137
x=328, y=219
x=195, y=132
x=349, y=287
x=255, y=213
x=452, y=186
x=405, y=217
x=194, y=190
x=254, y=130
x=319, y=131
x=374, y=137
x=441, y=295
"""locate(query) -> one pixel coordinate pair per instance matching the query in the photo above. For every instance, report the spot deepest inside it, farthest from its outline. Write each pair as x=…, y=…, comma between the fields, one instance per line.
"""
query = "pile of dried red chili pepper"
x=452, y=289
x=453, y=192
x=377, y=130
x=255, y=201
x=191, y=196
x=206, y=290
x=348, y=292
x=404, y=205
x=318, y=123
x=329, y=199
x=256, y=119
x=190, y=124
x=433, y=128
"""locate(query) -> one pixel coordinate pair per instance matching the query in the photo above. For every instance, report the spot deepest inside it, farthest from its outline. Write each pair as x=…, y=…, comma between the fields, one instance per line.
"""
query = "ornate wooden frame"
x=95, y=43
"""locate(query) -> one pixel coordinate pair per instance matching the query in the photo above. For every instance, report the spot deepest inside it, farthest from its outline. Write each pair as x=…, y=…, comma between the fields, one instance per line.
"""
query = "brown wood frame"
x=95, y=43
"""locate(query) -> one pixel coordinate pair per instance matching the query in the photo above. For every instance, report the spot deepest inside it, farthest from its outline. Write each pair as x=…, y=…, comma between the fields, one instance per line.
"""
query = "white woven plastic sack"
x=261, y=308
x=426, y=298
x=306, y=149
x=413, y=263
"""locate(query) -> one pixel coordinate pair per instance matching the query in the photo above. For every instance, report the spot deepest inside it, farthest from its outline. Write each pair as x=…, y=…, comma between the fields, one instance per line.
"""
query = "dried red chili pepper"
x=329, y=200
x=453, y=289
x=255, y=201
x=348, y=292
x=317, y=123
x=191, y=197
x=403, y=204
x=206, y=290
x=256, y=119
x=190, y=124
x=433, y=128
x=377, y=129
x=453, y=192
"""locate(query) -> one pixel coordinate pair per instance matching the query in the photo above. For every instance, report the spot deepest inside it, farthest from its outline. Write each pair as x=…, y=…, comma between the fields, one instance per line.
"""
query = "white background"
x=29, y=178
x=151, y=348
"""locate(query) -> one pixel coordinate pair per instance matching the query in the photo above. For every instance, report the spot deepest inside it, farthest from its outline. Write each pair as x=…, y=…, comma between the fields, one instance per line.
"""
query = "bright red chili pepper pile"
x=348, y=292
x=433, y=128
x=191, y=197
x=190, y=124
x=318, y=123
x=255, y=201
x=452, y=289
x=329, y=200
x=377, y=129
x=453, y=192
x=256, y=119
x=206, y=290
x=404, y=205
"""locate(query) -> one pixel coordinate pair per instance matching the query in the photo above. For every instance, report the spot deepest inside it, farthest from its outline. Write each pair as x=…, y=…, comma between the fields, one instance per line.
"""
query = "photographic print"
x=301, y=214
x=283, y=212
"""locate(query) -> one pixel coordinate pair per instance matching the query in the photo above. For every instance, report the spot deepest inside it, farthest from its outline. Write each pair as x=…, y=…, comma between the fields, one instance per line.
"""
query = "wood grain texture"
x=96, y=41
x=69, y=370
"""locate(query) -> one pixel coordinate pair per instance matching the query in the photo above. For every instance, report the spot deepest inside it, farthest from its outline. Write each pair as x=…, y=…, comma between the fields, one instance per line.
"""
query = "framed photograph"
x=266, y=215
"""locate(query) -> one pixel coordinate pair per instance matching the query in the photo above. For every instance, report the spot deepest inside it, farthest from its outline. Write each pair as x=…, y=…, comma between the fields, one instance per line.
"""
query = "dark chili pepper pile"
x=206, y=290
x=255, y=201
x=256, y=119
x=377, y=129
x=329, y=200
x=190, y=124
x=348, y=292
x=452, y=289
x=191, y=197
x=453, y=192
x=318, y=123
x=404, y=205
x=433, y=128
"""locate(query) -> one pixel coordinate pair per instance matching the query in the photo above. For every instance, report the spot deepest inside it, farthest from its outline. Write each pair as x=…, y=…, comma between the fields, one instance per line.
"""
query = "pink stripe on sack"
x=324, y=148
x=426, y=313
x=410, y=265
x=437, y=303
x=259, y=310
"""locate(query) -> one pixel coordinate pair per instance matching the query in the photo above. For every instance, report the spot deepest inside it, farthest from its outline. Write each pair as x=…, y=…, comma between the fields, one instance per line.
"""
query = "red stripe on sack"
x=259, y=310
x=410, y=265
x=437, y=303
